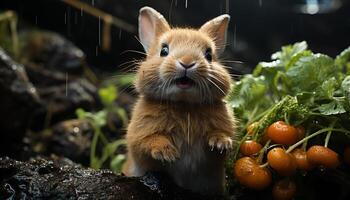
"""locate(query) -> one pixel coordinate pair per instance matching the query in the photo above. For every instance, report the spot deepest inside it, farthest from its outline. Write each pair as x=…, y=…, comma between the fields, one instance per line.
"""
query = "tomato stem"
x=286, y=118
x=262, y=151
x=264, y=165
x=328, y=136
x=326, y=141
x=291, y=148
x=305, y=142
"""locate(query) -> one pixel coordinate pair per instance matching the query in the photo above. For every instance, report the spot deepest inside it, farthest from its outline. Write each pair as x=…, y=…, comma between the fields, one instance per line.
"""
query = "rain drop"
x=260, y=3
x=234, y=36
x=227, y=4
x=186, y=4
x=99, y=30
x=76, y=130
x=32, y=89
x=322, y=169
x=66, y=84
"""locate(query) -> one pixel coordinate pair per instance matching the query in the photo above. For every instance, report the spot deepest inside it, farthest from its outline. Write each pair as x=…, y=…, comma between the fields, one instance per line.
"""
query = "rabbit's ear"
x=151, y=25
x=217, y=30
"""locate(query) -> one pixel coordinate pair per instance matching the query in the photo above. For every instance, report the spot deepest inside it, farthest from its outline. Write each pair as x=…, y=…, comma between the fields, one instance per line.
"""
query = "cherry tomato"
x=347, y=155
x=251, y=127
x=250, y=147
x=284, y=190
x=281, y=161
x=322, y=156
x=251, y=175
x=282, y=133
x=301, y=160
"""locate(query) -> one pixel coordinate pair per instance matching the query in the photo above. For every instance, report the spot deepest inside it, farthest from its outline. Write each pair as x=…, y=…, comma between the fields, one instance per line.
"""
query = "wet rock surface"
x=71, y=139
x=63, y=99
x=18, y=100
x=52, y=50
x=62, y=179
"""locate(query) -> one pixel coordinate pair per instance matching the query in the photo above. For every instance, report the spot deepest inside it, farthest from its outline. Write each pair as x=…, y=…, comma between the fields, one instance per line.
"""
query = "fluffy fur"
x=183, y=132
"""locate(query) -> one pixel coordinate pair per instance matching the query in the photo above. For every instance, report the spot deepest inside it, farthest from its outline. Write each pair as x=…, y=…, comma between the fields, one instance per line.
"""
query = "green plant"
x=300, y=88
x=97, y=120
x=8, y=29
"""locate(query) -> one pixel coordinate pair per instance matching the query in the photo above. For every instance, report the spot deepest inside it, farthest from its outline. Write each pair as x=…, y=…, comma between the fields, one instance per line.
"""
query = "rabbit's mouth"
x=184, y=83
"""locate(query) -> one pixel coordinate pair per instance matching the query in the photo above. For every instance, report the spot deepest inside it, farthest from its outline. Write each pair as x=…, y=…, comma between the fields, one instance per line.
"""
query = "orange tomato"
x=301, y=160
x=282, y=133
x=322, y=156
x=251, y=175
x=250, y=147
x=282, y=162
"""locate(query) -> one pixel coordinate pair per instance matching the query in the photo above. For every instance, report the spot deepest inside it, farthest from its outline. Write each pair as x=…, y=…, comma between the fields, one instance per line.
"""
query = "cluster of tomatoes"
x=252, y=173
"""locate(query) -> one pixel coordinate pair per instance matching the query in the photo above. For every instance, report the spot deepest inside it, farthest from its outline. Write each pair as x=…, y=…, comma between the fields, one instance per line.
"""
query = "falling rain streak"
x=65, y=18
x=81, y=11
x=234, y=36
x=96, y=51
x=227, y=6
x=66, y=84
x=260, y=3
x=120, y=34
x=186, y=4
x=93, y=2
x=36, y=20
x=99, y=30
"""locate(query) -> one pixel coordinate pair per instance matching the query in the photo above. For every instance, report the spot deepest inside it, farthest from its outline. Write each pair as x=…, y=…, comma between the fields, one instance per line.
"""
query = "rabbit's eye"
x=165, y=50
x=208, y=54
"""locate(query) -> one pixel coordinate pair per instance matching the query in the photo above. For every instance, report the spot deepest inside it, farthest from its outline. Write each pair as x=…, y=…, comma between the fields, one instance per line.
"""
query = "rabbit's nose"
x=187, y=66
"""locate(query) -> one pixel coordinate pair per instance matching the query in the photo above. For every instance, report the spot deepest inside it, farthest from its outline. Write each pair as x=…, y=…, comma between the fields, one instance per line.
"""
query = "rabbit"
x=180, y=123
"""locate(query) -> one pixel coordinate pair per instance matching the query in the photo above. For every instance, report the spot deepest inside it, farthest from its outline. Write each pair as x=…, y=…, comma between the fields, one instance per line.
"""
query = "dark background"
x=257, y=29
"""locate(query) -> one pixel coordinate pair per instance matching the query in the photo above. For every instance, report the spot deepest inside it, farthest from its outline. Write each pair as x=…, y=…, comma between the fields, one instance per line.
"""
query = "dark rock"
x=61, y=179
x=18, y=100
x=52, y=50
x=56, y=67
x=71, y=139
x=62, y=100
x=66, y=98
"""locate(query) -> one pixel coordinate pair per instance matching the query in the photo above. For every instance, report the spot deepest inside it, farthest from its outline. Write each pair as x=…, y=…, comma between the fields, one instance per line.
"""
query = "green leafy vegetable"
x=297, y=86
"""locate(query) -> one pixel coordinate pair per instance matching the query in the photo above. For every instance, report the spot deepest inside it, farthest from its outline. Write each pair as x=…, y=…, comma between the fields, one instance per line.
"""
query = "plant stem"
x=264, y=165
x=252, y=114
x=239, y=145
x=286, y=119
x=327, y=138
x=291, y=148
x=326, y=141
x=262, y=151
x=305, y=142
x=94, y=146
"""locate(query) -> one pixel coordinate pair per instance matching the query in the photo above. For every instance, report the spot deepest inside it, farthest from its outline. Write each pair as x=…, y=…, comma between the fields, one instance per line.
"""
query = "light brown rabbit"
x=180, y=124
